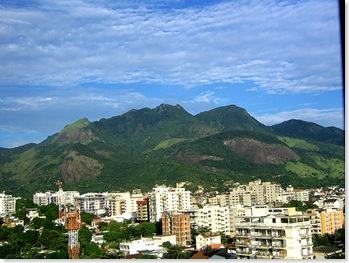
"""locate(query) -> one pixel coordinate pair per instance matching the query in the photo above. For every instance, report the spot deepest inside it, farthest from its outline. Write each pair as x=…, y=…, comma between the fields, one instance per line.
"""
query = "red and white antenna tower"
x=72, y=222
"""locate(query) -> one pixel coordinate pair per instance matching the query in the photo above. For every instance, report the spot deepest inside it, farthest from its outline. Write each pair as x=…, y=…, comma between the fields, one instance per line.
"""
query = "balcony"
x=264, y=246
x=243, y=243
x=242, y=234
x=262, y=255
x=278, y=246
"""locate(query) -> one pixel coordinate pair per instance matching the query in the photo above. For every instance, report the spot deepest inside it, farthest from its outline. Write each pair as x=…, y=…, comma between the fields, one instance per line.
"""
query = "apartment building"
x=142, y=213
x=118, y=204
x=315, y=221
x=7, y=204
x=178, y=224
x=331, y=220
x=134, y=198
x=166, y=199
x=60, y=197
x=266, y=192
x=45, y=198
x=216, y=218
x=301, y=195
x=94, y=203
x=68, y=197
x=284, y=235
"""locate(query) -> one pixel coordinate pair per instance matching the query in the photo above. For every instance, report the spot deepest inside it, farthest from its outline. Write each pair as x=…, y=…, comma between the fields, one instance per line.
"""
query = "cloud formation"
x=280, y=46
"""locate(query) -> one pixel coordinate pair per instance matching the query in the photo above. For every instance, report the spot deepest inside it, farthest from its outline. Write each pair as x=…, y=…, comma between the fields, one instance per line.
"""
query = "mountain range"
x=167, y=144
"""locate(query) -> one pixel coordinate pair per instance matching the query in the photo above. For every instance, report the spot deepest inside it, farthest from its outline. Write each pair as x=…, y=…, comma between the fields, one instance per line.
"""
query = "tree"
x=175, y=252
x=86, y=217
x=85, y=236
x=49, y=238
x=31, y=237
x=50, y=211
x=300, y=206
x=92, y=250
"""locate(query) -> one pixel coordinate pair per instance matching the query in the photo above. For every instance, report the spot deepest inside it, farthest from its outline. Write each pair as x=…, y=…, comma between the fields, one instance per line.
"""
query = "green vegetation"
x=303, y=169
x=336, y=240
x=298, y=143
x=86, y=217
x=175, y=251
x=299, y=205
x=169, y=142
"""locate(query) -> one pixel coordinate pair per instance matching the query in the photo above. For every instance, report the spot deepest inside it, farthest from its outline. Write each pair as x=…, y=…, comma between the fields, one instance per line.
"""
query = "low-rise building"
x=150, y=245
x=32, y=213
x=206, y=239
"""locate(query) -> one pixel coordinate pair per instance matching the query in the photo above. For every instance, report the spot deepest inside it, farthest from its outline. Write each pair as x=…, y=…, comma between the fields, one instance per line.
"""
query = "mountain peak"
x=164, y=107
x=230, y=117
x=77, y=125
x=309, y=130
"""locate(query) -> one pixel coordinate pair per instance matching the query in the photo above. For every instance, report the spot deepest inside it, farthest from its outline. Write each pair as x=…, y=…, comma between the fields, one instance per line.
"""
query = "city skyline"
x=63, y=61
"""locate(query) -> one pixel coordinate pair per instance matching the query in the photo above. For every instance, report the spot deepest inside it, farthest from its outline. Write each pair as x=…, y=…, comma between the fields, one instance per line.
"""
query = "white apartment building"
x=137, y=196
x=216, y=218
x=301, y=195
x=45, y=198
x=151, y=245
x=284, y=235
x=60, y=197
x=68, y=197
x=7, y=204
x=167, y=199
x=206, y=239
x=236, y=212
x=119, y=204
x=94, y=203
x=266, y=192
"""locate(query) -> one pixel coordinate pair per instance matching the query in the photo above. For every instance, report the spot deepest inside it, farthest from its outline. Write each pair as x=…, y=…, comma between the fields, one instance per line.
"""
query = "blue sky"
x=64, y=60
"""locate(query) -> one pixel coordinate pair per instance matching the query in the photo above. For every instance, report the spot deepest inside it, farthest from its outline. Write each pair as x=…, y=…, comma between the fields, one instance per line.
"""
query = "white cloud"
x=20, y=103
x=207, y=97
x=325, y=117
x=279, y=47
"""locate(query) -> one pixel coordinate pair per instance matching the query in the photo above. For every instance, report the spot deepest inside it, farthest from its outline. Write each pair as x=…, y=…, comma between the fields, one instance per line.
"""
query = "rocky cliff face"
x=261, y=153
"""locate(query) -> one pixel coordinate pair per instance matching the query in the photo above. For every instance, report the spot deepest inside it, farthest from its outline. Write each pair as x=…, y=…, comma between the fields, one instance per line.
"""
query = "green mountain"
x=167, y=144
x=310, y=130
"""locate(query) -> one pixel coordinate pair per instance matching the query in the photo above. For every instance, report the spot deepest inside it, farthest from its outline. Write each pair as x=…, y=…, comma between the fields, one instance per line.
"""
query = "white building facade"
x=167, y=199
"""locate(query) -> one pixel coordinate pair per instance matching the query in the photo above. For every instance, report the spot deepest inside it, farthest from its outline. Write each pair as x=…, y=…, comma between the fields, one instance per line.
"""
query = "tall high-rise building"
x=178, y=224
x=167, y=199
